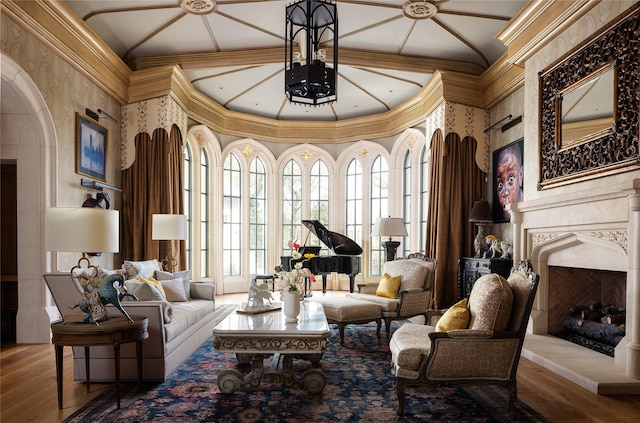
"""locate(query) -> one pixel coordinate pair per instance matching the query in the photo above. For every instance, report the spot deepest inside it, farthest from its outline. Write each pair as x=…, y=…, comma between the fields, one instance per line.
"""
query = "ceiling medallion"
x=198, y=7
x=419, y=9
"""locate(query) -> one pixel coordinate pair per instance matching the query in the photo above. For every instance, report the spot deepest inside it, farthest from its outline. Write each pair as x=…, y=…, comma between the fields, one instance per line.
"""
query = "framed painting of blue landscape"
x=91, y=148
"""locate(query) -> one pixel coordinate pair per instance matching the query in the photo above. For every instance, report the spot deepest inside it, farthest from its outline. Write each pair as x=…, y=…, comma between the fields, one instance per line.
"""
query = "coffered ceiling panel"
x=378, y=45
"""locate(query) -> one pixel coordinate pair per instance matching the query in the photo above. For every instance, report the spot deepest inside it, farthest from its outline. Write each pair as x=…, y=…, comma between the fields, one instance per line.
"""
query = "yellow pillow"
x=388, y=286
x=151, y=281
x=456, y=317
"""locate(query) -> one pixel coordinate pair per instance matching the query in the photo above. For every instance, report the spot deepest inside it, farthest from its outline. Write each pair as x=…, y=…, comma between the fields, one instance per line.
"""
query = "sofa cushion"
x=388, y=286
x=185, y=275
x=144, y=268
x=490, y=303
x=389, y=305
x=142, y=291
x=409, y=344
x=174, y=290
x=456, y=317
x=414, y=273
x=186, y=314
x=151, y=281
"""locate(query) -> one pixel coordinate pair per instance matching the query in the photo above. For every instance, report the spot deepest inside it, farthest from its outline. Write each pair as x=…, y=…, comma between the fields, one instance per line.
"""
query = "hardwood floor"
x=28, y=389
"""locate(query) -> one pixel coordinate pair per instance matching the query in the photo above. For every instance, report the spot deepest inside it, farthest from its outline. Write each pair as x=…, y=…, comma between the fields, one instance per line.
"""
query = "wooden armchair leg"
x=513, y=396
x=400, y=385
x=387, y=326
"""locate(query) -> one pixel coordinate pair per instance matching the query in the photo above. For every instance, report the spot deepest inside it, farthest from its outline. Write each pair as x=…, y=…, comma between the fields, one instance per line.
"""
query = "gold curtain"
x=153, y=184
x=456, y=182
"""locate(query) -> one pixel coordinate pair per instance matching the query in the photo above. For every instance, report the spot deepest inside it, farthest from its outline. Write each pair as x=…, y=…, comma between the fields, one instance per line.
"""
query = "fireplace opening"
x=587, y=307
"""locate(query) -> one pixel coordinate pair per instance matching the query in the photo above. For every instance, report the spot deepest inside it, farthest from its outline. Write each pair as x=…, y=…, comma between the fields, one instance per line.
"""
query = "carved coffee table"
x=256, y=337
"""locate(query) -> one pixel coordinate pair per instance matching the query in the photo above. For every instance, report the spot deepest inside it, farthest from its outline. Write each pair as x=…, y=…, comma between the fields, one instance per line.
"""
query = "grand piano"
x=346, y=258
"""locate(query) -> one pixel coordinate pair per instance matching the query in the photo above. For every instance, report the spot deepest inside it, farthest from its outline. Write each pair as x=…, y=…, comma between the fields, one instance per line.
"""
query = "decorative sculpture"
x=111, y=290
x=259, y=296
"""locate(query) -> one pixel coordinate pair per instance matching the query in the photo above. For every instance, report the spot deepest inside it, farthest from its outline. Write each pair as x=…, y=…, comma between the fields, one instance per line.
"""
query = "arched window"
x=257, y=217
x=424, y=197
x=188, y=190
x=406, y=202
x=319, y=197
x=204, y=214
x=232, y=217
x=379, y=208
x=291, y=204
x=353, y=217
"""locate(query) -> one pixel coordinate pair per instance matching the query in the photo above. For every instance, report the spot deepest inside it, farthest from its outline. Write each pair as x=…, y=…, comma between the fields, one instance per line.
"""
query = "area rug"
x=360, y=388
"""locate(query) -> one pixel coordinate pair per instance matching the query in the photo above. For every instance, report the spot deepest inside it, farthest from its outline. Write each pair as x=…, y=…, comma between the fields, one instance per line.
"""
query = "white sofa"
x=168, y=345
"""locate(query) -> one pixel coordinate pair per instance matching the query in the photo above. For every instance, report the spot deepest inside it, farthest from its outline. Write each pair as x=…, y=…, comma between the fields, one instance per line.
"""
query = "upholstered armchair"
x=413, y=297
x=478, y=342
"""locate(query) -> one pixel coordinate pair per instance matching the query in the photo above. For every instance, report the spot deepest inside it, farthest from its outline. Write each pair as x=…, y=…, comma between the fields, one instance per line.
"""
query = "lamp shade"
x=83, y=229
x=481, y=213
x=168, y=226
x=389, y=226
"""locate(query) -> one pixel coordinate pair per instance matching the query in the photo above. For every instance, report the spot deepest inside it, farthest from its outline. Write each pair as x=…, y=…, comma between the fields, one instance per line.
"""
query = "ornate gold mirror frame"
x=614, y=149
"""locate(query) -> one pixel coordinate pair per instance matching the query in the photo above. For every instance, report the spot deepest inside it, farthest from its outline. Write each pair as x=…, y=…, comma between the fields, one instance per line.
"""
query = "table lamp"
x=169, y=227
x=84, y=230
x=480, y=215
x=389, y=226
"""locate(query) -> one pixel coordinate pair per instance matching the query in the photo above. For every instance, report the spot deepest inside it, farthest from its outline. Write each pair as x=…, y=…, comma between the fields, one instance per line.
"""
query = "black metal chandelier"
x=308, y=79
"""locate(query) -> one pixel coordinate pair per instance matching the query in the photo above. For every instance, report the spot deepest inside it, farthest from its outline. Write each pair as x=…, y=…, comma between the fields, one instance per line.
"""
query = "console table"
x=113, y=331
x=256, y=337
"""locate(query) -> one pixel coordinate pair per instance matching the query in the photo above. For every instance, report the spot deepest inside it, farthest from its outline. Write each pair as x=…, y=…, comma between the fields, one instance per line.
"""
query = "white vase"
x=291, y=305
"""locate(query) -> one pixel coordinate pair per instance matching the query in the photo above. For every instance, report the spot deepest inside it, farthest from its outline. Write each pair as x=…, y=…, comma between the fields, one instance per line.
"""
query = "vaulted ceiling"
x=233, y=50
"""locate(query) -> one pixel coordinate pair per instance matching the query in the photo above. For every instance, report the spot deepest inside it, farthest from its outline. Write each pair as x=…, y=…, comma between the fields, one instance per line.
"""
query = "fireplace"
x=597, y=229
x=587, y=307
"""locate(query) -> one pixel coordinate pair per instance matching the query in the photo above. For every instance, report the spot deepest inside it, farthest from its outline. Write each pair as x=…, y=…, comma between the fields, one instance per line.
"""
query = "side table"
x=113, y=331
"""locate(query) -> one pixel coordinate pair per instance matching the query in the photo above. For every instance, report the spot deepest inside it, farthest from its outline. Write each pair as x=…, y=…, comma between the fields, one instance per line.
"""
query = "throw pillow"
x=142, y=291
x=490, y=303
x=144, y=268
x=185, y=275
x=174, y=289
x=388, y=286
x=456, y=317
x=151, y=281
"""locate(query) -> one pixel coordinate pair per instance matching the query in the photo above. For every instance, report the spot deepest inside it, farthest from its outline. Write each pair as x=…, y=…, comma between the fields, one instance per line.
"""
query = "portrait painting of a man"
x=508, y=173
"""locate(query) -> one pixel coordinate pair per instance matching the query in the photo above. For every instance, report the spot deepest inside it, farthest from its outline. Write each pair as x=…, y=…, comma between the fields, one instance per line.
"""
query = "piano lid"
x=337, y=243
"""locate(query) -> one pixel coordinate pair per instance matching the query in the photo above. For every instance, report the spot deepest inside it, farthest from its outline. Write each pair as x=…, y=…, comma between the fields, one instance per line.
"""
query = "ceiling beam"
x=346, y=56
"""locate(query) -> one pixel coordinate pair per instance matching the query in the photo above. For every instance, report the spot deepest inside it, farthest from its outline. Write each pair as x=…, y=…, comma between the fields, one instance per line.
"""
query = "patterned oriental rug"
x=360, y=388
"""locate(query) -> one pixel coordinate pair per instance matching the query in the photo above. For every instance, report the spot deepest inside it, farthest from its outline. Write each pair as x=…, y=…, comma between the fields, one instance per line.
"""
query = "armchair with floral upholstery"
x=414, y=280
x=473, y=343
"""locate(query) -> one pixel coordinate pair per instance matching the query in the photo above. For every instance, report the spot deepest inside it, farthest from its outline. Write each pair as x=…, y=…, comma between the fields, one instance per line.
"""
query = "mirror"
x=587, y=109
x=589, y=126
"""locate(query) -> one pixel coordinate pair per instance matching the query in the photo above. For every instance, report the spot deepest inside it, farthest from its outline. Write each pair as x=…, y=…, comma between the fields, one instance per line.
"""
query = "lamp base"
x=390, y=249
x=169, y=263
x=479, y=243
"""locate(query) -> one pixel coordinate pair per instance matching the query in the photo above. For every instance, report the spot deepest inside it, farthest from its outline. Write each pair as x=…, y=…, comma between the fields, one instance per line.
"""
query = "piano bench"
x=345, y=311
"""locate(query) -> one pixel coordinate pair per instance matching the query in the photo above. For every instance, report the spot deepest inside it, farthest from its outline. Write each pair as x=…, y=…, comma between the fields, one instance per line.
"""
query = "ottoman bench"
x=345, y=311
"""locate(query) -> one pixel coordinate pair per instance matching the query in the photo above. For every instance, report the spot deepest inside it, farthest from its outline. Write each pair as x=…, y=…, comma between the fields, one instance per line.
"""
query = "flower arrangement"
x=292, y=281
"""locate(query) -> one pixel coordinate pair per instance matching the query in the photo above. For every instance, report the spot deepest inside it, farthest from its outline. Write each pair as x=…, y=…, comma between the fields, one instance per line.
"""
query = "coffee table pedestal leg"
x=312, y=381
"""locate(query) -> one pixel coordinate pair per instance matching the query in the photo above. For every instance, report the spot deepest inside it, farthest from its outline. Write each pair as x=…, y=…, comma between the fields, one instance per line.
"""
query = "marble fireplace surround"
x=592, y=229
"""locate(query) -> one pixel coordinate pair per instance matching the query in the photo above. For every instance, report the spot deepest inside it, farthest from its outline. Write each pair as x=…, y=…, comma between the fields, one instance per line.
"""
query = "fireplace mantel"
x=597, y=228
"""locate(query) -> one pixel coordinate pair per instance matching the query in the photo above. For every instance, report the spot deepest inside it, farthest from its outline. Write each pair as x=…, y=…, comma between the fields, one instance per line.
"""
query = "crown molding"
x=53, y=24
x=538, y=23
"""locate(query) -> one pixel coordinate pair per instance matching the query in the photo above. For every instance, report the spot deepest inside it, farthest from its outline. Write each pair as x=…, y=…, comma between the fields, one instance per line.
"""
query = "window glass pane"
x=406, y=202
x=291, y=205
x=257, y=217
x=188, y=175
x=319, y=199
x=424, y=197
x=353, y=202
x=379, y=208
x=232, y=217
x=204, y=214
